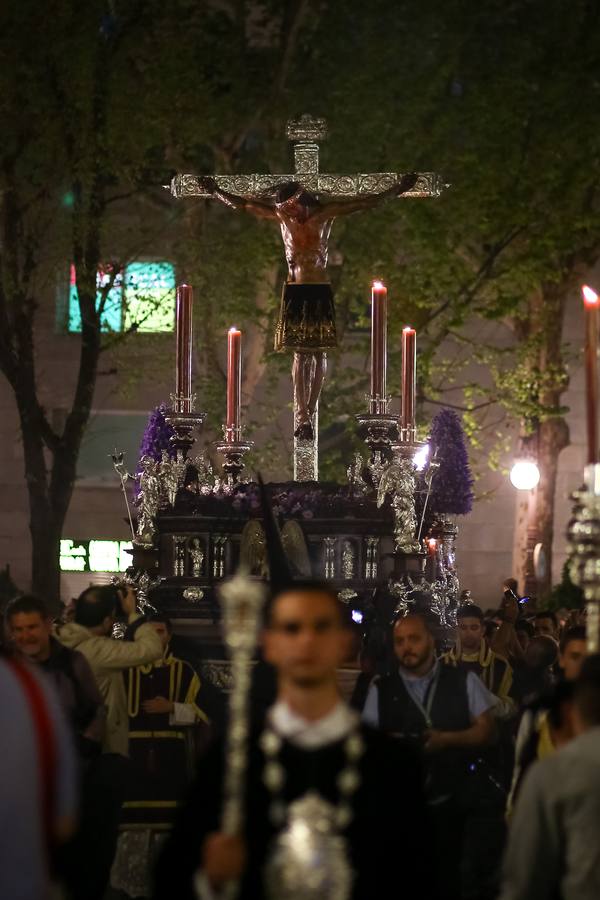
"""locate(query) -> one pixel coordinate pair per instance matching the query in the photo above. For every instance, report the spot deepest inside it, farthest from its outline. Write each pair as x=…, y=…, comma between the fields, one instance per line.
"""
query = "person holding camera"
x=96, y=611
x=90, y=632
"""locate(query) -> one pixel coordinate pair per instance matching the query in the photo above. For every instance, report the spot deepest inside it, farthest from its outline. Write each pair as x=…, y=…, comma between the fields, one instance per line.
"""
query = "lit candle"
x=234, y=384
x=431, y=546
x=591, y=304
x=409, y=380
x=378, y=347
x=183, y=369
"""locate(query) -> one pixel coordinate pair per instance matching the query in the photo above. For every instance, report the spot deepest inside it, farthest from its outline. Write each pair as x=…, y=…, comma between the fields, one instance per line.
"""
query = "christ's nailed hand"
x=223, y=858
x=208, y=184
x=407, y=182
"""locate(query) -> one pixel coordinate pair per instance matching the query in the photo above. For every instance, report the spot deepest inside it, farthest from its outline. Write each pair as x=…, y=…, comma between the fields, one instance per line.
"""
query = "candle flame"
x=408, y=329
x=234, y=329
x=590, y=297
x=378, y=285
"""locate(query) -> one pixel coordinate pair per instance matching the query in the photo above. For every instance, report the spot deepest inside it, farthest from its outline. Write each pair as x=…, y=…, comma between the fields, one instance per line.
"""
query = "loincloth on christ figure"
x=306, y=318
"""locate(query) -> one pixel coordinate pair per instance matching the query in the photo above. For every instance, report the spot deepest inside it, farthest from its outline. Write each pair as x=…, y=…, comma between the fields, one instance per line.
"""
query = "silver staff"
x=242, y=601
x=118, y=459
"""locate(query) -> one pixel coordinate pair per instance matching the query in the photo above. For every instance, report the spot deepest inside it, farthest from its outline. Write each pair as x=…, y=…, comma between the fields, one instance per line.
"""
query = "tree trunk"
x=553, y=437
x=535, y=522
x=46, y=533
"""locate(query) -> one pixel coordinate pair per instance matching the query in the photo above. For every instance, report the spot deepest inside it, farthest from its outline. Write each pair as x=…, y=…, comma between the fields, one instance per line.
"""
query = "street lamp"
x=525, y=474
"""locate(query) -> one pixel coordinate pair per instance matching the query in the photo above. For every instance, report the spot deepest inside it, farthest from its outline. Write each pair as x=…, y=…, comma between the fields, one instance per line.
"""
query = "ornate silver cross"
x=305, y=134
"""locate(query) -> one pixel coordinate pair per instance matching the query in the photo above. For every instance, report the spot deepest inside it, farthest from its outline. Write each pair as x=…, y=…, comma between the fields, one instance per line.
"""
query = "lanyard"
x=425, y=710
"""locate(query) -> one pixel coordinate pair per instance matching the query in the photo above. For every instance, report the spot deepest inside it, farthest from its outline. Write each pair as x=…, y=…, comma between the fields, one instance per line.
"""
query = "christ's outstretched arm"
x=345, y=207
x=256, y=208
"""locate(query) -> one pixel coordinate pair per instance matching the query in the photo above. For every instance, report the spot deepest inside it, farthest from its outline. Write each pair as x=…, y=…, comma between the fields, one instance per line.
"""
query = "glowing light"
x=409, y=329
x=421, y=458
x=94, y=555
x=524, y=475
x=234, y=330
x=378, y=285
x=72, y=556
x=590, y=297
x=357, y=616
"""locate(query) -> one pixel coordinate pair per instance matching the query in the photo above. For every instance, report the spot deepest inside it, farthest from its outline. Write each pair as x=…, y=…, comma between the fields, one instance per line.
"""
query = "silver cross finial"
x=305, y=134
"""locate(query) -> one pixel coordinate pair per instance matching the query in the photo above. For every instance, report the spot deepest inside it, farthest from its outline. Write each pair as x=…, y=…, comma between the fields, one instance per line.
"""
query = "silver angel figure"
x=197, y=557
x=376, y=466
x=398, y=480
x=168, y=478
x=355, y=478
x=172, y=475
x=348, y=560
x=205, y=476
x=148, y=499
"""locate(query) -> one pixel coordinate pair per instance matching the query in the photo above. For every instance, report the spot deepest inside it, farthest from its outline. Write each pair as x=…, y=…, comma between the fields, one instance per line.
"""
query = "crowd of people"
x=110, y=731
x=467, y=769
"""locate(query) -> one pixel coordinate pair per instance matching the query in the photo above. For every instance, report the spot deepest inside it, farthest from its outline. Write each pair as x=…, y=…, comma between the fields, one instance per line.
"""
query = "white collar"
x=332, y=727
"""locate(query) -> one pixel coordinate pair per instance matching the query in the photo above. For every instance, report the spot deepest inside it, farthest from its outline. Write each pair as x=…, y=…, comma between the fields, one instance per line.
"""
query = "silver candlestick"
x=380, y=429
x=183, y=422
x=584, y=549
x=233, y=448
x=379, y=425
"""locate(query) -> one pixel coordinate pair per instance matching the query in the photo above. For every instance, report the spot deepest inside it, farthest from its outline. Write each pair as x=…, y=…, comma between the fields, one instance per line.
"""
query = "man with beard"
x=448, y=712
x=313, y=770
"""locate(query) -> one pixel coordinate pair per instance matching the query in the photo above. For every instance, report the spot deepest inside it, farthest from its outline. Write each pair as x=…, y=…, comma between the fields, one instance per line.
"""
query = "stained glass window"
x=144, y=297
x=150, y=296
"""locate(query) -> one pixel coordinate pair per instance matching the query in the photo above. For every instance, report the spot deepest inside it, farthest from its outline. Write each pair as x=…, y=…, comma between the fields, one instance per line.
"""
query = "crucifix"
x=305, y=204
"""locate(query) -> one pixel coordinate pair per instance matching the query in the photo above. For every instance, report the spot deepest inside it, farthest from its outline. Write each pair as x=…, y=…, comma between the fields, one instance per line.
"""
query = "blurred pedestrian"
x=572, y=652
x=545, y=622
x=554, y=841
x=38, y=781
x=309, y=754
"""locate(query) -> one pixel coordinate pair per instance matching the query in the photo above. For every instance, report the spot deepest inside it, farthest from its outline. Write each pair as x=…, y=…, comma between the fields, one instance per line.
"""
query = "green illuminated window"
x=144, y=298
x=94, y=556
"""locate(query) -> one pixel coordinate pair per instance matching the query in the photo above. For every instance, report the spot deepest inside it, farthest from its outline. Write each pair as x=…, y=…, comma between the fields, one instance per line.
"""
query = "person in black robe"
x=387, y=834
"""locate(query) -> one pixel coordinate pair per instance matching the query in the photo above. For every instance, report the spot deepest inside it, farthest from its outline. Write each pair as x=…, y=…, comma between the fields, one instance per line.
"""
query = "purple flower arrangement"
x=157, y=436
x=452, y=486
x=326, y=501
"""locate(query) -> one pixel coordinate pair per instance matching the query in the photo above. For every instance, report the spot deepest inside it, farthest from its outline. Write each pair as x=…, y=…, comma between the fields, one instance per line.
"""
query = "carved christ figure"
x=306, y=323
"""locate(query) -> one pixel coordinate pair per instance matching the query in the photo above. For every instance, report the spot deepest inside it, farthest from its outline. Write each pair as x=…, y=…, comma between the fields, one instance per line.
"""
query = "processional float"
x=377, y=535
